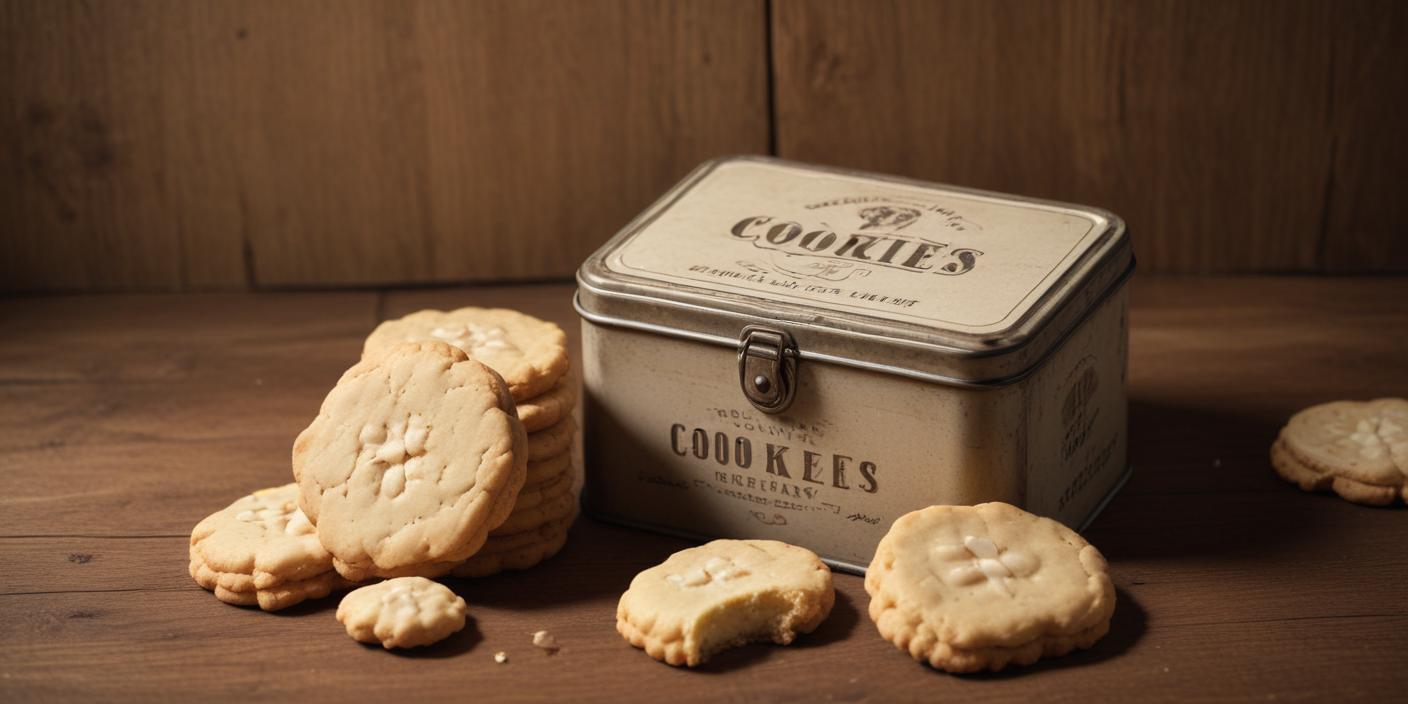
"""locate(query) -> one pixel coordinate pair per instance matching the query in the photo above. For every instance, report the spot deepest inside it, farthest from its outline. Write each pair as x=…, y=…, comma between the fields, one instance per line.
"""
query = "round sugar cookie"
x=405, y=612
x=530, y=354
x=1290, y=468
x=724, y=594
x=263, y=535
x=969, y=588
x=1357, y=449
x=261, y=550
x=415, y=455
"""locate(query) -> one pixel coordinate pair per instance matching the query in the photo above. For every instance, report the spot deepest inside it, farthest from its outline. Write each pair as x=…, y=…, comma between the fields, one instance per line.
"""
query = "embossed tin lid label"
x=904, y=252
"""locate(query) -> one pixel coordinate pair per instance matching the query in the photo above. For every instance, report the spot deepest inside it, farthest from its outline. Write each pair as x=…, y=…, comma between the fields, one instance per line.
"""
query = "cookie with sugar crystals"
x=414, y=457
x=405, y=612
x=262, y=550
x=1359, y=450
x=724, y=594
x=530, y=354
x=970, y=588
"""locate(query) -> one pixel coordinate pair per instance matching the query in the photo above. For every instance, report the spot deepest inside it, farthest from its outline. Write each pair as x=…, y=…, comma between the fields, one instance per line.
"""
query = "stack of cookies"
x=414, y=457
x=531, y=355
x=261, y=550
x=418, y=464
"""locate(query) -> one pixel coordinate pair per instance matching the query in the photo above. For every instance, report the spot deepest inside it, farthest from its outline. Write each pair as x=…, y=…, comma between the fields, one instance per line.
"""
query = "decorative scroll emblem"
x=894, y=217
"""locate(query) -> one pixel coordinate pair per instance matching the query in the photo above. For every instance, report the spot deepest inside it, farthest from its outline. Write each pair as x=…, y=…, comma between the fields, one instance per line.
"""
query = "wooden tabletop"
x=128, y=418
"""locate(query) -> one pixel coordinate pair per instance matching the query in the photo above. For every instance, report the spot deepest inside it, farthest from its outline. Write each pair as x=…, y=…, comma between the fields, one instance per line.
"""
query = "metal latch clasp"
x=767, y=368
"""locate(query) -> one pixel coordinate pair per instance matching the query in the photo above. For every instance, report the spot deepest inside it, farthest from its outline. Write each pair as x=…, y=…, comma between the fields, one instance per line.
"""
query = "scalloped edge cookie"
x=406, y=612
x=975, y=607
x=1357, y=449
x=1291, y=469
x=723, y=594
x=530, y=354
x=473, y=468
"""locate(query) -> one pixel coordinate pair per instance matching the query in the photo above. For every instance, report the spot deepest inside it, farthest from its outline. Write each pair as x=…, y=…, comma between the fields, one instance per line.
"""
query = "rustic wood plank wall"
x=173, y=144
x=166, y=144
x=1237, y=135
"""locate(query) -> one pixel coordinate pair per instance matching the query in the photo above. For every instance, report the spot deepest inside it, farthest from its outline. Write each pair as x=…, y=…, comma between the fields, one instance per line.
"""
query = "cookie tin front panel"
x=673, y=445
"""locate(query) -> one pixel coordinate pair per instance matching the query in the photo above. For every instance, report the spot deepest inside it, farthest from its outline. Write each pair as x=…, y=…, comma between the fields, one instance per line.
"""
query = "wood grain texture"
x=159, y=144
x=166, y=144
x=120, y=165
x=1210, y=126
x=128, y=418
x=1367, y=220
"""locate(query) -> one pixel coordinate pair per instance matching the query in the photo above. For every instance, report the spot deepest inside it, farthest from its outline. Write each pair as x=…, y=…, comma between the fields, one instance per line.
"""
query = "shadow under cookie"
x=1127, y=626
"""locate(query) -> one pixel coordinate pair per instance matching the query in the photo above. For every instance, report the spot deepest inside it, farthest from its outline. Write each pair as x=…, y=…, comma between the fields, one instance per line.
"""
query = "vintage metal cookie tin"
x=786, y=351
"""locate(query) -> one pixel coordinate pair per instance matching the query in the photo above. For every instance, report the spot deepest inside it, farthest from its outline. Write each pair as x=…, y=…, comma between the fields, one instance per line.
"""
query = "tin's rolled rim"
x=815, y=356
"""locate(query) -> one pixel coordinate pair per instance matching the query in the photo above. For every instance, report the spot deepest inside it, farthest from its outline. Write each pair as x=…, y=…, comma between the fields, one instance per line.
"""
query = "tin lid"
x=944, y=284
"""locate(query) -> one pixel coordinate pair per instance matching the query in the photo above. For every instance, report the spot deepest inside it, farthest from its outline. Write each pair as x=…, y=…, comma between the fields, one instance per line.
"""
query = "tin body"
x=781, y=351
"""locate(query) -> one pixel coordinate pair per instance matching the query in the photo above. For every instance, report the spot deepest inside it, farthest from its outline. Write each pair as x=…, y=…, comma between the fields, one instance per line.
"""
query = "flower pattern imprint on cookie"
x=276, y=516
x=399, y=446
x=402, y=603
x=1376, y=437
x=717, y=569
x=979, y=560
x=470, y=337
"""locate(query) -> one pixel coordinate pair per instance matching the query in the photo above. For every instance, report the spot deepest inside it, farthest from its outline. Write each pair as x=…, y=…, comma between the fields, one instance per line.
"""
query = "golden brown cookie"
x=406, y=612
x=1296, y=472
x=553, y=441
x=543, y=411
x=553, y=508
x=271, y=598
x=1357, y=449
x=415, y=455
x=548, y=469
x=510, y=541
x=530, y=354
x=724, y=594
x=533, y=496
x=261, y=550
x=516, y=552
x=969, y=588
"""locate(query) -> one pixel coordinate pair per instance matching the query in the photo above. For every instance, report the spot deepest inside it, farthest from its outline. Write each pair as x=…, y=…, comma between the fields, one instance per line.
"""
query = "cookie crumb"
x=501, y=657
x=546, y=641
